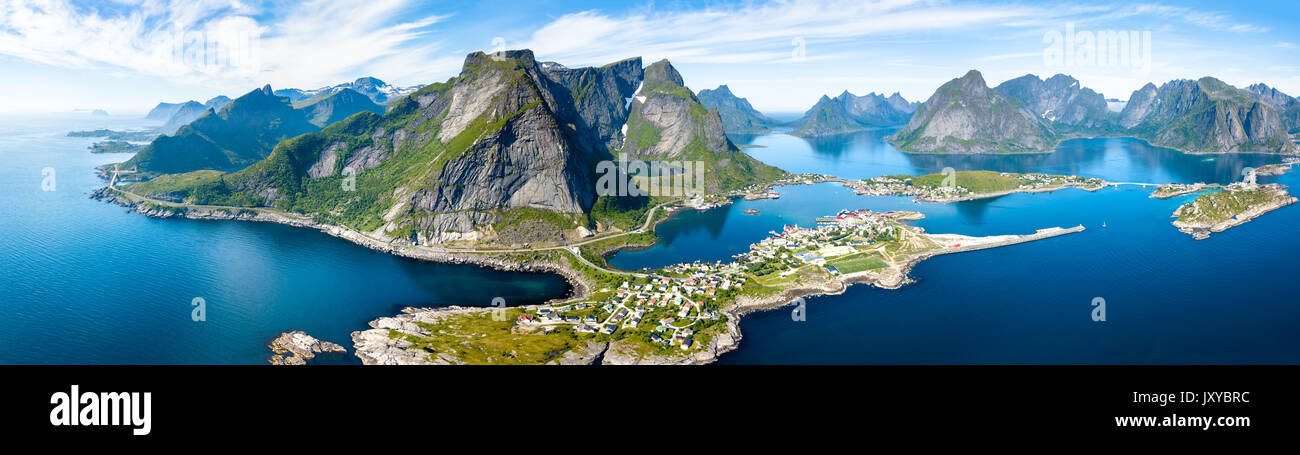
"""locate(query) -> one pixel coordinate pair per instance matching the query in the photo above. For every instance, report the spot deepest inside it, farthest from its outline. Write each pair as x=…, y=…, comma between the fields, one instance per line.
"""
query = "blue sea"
x=85, y=282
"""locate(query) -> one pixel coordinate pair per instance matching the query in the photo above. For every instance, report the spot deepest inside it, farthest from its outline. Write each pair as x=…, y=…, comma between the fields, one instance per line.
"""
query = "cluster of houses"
x=902, y=185
x=683, y=297
x=833, y=237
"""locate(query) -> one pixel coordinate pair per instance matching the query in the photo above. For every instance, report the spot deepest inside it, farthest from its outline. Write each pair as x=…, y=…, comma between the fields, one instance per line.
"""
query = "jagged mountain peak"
x=663, y=71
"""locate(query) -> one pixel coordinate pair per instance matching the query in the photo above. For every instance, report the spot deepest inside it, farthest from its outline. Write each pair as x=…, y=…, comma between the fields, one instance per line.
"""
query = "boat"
x=751, y=211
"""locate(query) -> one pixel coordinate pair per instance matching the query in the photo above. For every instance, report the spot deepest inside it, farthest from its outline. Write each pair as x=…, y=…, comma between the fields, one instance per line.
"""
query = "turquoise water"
x=1170, y=299
x=85, y=282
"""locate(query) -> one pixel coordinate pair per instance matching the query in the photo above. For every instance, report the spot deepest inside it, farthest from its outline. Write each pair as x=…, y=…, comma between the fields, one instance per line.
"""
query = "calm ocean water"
x=85, y=282
x=1170, y=299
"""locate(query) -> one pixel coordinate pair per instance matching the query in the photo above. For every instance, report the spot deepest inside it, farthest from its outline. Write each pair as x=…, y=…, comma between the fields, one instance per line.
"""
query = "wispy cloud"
x=225, y=43
x=753, y=33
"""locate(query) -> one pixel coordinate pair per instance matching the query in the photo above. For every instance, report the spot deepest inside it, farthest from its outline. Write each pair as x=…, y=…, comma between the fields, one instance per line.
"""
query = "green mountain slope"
x=244, y=132
x=1205, y=116
x=668, y=123
x=507, y=151
x=338, y=105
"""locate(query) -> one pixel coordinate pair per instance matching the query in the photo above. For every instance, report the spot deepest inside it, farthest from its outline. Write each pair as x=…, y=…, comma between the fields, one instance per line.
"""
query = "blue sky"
x=126, y=55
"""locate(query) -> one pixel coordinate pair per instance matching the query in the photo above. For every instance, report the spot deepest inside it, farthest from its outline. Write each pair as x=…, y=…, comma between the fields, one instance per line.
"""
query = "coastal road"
x=571, y=247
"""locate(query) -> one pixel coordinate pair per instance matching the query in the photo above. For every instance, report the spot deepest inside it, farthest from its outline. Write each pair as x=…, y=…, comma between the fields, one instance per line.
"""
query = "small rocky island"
x=297, y=347
x=1236, y=204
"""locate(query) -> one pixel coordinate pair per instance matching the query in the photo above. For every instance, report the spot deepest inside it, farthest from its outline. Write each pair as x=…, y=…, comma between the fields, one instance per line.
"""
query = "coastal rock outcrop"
x=297, y=347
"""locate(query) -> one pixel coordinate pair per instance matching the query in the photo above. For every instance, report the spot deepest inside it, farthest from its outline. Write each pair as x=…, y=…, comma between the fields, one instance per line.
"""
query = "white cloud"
x=226, y=43
x=762, y=33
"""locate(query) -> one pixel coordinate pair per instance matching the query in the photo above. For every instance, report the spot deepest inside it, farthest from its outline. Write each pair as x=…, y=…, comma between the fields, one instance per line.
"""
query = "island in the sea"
x=957, y=186
x=1237, y=204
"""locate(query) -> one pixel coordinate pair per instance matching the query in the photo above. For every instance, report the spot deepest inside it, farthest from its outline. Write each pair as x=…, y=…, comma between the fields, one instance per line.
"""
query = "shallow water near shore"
x=87, y=283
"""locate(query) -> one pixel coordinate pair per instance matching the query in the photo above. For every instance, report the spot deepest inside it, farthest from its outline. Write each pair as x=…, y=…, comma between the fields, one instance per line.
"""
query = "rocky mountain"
x=332, y=107
x=163, y=111
x=738, y=116
x=1270, y=96
x=1286, y=106
x=377, y=90
x=1060, y=100
x=848, y=112
x=966, y=116
x=506, y=151
x=1205, y=116
x=187, y=112
x=217, y=103
x=667, y=122
x=242, y=133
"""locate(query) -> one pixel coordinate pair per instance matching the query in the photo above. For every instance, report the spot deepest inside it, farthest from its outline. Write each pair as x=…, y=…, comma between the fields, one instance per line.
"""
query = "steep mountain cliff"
x=848, y=112
x=329, y=108
x=1061, y=100
x=242, y=133
x=1270, y=96
x=1205, y=116
x=507, y=151
x=1286, y=106
x=738, y=116
x=965, y=116
x=668, y=123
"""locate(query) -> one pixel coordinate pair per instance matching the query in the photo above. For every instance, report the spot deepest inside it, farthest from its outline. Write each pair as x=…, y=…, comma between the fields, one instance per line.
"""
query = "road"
x=571, y=247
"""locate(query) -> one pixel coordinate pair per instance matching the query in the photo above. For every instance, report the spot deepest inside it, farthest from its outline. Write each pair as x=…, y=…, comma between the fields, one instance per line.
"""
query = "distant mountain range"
x=1207, y=116
x=843, y=114
x=377, y=90
x=1031, y=115
x=507, y=151
x=966, y=116
x=848, y=112
x=336, y=105
x=738, y=116
x=241, y=133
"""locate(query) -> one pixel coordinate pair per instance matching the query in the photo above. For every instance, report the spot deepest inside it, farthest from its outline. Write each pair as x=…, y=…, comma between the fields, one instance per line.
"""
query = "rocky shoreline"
x=297, y=347
x=1202, y=230
x=1047, y=189
x=375, y=346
